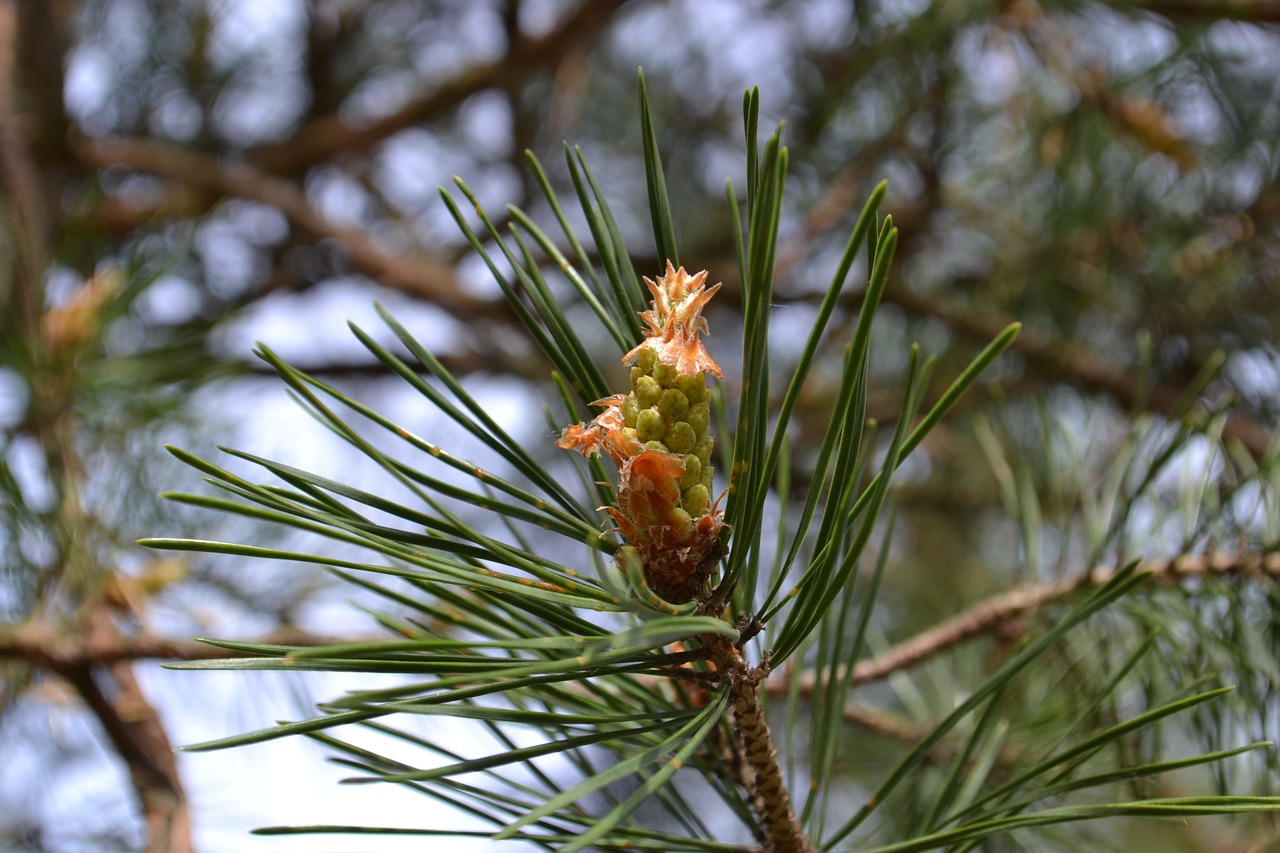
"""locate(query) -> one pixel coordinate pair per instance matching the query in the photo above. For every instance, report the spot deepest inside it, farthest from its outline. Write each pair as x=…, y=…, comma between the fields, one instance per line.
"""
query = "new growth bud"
x=658, y=436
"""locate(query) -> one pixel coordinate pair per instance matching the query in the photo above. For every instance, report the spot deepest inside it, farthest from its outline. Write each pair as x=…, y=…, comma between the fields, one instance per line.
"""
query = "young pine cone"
x=658, y=436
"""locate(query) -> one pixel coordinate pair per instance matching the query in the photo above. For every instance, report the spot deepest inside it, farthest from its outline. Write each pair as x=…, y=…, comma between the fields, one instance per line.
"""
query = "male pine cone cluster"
x=658, y=436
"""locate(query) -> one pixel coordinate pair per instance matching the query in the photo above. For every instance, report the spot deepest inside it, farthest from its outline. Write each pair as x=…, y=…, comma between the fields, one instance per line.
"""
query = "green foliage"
x=575, y=658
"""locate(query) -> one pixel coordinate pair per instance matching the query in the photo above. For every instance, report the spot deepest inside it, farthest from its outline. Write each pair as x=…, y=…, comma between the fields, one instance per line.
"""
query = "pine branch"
x=999, y=612
x=764, y=782
x=121, y=216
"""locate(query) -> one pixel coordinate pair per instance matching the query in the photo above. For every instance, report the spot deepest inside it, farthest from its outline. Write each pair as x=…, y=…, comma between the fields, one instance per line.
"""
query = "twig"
x=882, y=722
x=47, y=647
x=44, y=646
x=764, y=782
x=997, y=613
x=58, y=650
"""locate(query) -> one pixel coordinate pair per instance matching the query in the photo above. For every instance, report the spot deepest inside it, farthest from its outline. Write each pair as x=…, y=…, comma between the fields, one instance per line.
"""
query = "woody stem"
x=762, y=777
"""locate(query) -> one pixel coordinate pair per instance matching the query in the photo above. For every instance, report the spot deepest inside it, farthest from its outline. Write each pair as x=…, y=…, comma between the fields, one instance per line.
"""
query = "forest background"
x=181, y=178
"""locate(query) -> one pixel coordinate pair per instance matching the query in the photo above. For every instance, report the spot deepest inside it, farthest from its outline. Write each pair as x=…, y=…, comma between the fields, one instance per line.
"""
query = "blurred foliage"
x=180, y=176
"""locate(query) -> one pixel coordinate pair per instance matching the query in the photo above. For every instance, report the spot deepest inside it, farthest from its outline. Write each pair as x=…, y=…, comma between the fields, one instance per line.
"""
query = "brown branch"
x=1002, y=611
x=120, y=216
x=98, y=663
x=134, y=729
x=28, y=212
x=883, y=723
x=415, y=274
x=1207, y=11
x=58, y=650
x=763, y=779
x=326, y=137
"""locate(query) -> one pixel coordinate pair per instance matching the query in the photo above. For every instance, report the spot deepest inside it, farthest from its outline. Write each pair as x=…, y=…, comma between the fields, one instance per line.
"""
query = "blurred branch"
x=1208, y=11
x=1001, y=612
x=134, y=729
x=327, y=33
x=522, y=123
x=62, y=651
x=883, y=723
x=41, y=78
x=1075, y=364
x=120, y=216
x=326, y=137
x=415, y=274
x=28, y=214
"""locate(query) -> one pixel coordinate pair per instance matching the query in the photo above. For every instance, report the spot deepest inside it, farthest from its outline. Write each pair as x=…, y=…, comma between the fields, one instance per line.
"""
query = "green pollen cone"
x=671, y=412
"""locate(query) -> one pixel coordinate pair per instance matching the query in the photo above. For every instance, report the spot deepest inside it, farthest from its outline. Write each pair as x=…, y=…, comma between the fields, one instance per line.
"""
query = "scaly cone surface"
x=657, y=434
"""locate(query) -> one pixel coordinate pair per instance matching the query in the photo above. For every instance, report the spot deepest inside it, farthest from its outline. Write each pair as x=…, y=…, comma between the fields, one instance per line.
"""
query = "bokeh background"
x=181, y=178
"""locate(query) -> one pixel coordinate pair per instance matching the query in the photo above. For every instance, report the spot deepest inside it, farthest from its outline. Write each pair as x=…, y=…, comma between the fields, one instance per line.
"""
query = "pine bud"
x=658, y=434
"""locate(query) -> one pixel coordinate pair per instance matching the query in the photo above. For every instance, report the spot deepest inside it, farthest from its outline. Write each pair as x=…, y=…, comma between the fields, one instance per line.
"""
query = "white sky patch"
x=822, y=23
x=15, y=395
x=381, y=93
x=1138, y=45
x=338, y=197
x=474, y=278
x=242, y=26
x=742, y=42
x=1190, y=471
x=474, y=35
x=539, y=17
x=312, y=328
x=992, y=69
x=789, y=327
x=485, y=120
x=1255, y=372
x=88, y=85
x=26, y=463
x=410, y=165
x=169, y=299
